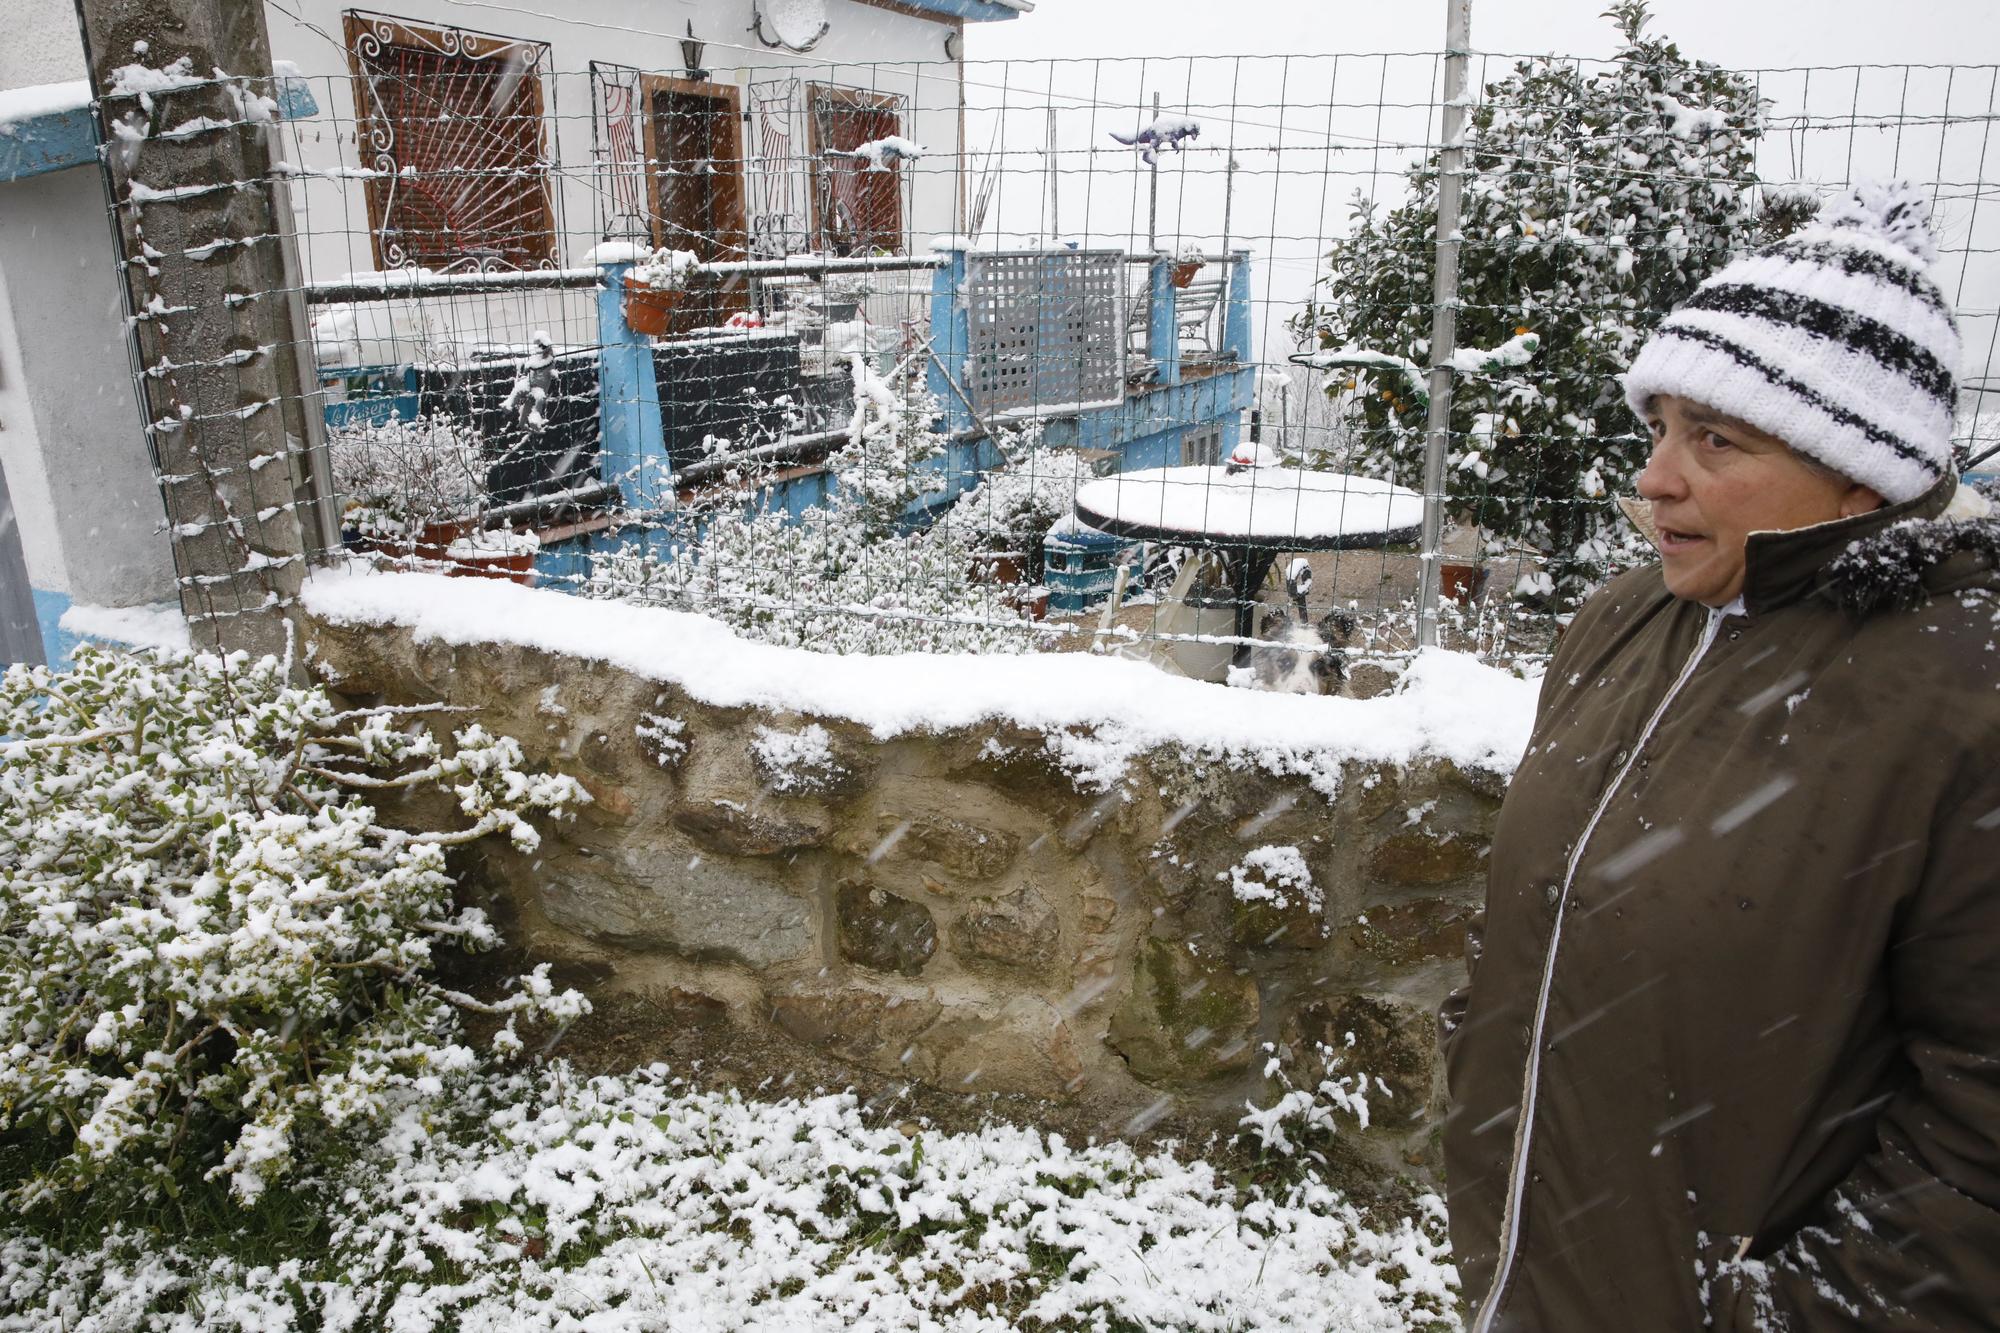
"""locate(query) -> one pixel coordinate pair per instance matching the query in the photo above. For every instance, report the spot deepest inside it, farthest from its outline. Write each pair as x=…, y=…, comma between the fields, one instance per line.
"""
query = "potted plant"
x=413, y=491
x=654, y=289
x=1186, y=264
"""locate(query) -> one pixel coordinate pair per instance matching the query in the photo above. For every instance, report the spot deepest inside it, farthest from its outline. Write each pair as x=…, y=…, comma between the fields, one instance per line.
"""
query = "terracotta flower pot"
x=1462, y=582
x=1183, y=273
x=517, y=568
x=650, y=310
x=499, y=554
x=429, y=543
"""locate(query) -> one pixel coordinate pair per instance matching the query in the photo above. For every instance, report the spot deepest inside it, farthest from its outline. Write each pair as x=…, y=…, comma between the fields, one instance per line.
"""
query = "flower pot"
x=519, y=568
x=499, y=554
x=428, y=543
x=1002, y=567
x=650, y=310
x=1184, y=272
x=1461, y=582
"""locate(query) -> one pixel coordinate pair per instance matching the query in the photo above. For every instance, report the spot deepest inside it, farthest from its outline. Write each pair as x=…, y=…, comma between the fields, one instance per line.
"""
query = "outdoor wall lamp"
x=691, y=49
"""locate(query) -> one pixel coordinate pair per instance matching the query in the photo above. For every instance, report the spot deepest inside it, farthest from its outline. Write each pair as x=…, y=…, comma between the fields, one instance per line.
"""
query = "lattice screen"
x=1047, y=330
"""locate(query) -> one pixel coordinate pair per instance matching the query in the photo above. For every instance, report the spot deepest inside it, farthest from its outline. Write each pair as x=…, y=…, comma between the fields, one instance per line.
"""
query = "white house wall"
x=866, y=47
x=67, y=388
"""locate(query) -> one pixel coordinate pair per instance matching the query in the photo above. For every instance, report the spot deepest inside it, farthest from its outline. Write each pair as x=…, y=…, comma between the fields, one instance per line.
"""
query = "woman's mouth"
x=1675, y=542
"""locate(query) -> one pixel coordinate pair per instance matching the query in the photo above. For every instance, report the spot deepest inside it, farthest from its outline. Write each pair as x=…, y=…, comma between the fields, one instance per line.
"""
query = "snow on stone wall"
x=1018, y=881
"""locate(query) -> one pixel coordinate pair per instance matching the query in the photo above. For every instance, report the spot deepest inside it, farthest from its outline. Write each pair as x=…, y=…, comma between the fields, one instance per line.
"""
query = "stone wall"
x=951, y=909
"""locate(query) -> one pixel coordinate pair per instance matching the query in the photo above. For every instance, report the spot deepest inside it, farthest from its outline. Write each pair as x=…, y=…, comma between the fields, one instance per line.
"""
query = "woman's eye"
x=1714, y=441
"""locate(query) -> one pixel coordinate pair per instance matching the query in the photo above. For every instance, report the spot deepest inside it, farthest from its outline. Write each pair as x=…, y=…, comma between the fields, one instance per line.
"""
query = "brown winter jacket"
x=1765, y=1084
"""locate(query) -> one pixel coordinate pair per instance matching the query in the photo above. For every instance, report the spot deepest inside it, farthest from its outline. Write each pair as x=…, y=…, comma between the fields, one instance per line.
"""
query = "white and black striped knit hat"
x=1834, y=340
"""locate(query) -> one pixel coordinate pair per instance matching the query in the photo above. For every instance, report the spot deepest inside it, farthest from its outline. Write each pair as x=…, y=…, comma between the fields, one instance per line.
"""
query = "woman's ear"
x=1859, y=499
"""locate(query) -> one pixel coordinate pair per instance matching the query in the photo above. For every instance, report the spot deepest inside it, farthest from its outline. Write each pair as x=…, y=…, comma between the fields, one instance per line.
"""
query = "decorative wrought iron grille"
x=615, y=144
x=452, y=123
x=1045, y=330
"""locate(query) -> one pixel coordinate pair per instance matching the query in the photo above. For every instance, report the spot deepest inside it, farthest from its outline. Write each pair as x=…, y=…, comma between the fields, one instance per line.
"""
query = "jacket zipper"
x=1517, y=1176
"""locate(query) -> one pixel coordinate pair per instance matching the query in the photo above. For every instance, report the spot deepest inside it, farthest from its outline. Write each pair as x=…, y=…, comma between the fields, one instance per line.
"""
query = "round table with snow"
x=1249, y=515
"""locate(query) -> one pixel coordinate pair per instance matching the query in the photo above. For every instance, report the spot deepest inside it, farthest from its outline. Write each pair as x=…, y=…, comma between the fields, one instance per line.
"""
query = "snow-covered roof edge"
x=1098, y=712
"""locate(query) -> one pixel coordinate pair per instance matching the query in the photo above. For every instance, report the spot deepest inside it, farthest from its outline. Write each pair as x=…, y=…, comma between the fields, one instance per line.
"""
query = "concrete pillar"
x=206, y=298
x=1163, y=335
x=951, y=338
x=632, y=451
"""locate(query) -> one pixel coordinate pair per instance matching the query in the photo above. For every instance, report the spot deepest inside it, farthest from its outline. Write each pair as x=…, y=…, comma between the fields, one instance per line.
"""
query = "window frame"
x=377, y=139
x=818, y=94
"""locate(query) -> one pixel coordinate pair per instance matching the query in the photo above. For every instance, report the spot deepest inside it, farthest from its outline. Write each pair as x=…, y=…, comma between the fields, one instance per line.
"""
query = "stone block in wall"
x=1019, y=930
x=884, y=931
x=1404, y=934
x=1385, y=1037
x=812, y=759
x=866, y=1026
x=1189, y=1016
x=665, y=897
x=1026, y=1046
x=1299, y=923
x=1418, y=858
x=966, y=832
x=733, y=828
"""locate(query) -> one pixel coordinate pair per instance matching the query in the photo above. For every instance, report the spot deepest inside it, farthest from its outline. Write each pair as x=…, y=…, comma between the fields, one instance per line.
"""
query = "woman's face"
x=1713, y=481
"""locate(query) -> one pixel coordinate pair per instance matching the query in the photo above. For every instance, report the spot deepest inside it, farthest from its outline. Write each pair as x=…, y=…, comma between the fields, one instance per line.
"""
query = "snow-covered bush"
x=1013, y=508
x=210, y=949
x=843, y=576
x=665, y=269
x=399, y=476
x=1302, y=1120
x=1594, y=202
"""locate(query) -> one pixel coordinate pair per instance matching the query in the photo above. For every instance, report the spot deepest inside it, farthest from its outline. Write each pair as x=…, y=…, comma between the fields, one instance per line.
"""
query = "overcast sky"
x=1760, y=33
x=1306, y=134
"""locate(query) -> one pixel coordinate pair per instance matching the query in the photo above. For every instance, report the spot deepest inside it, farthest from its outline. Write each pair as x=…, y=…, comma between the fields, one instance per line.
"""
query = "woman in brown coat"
x=1730, y=1052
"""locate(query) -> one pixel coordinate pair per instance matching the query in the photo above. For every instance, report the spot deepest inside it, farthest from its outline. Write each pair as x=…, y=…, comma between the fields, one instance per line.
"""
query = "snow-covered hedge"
x=209, y=945
x=844, y=576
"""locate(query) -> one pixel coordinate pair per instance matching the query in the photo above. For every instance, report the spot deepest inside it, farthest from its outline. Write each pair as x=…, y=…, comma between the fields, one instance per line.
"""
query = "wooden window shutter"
x=856, y=209
x=452, y=122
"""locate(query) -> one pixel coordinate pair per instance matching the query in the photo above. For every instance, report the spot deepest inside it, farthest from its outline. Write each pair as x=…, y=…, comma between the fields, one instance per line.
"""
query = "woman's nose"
x=1658, y=480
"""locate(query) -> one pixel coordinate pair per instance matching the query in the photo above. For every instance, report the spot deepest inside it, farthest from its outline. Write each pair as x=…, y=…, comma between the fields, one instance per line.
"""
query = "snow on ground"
x=1097, y=712
x=634, y=1202
x=158, y=625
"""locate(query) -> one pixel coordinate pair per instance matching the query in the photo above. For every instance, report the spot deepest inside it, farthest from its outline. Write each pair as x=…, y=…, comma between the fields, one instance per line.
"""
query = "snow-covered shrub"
x=843, y=576
x=1594, y=202
x=665, y=269
x=1013, y=508
x=398, y=476
x=209, y=947
x=1303, y=1118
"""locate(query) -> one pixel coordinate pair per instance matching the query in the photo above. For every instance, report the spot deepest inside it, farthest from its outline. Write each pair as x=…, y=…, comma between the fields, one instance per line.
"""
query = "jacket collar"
x=1781, y=567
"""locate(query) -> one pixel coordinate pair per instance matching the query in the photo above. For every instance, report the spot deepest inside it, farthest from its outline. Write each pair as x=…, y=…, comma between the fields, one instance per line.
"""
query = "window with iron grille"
x=857, y=206
x=451, y=123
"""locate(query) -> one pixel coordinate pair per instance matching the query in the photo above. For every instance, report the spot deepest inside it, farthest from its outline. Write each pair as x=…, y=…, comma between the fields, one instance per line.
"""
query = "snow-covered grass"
x=547, y=1201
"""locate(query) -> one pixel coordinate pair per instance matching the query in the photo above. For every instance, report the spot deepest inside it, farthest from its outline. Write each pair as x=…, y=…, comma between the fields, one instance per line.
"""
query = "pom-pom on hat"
x=1834, y=340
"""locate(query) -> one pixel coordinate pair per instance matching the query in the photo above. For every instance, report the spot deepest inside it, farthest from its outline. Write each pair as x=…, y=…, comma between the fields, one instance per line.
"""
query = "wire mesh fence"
x=1111, y=355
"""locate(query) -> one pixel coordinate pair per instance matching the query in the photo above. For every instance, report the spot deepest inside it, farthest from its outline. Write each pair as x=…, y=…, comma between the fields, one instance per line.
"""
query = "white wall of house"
x=77, y=467
x=43, y=44
x=866, y=47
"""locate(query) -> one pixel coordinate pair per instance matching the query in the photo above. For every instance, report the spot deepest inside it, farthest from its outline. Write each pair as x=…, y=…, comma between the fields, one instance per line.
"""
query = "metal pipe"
x=1444, y=313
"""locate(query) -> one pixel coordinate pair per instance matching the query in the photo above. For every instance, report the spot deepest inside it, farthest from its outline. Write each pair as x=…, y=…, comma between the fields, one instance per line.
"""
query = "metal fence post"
x=632, y=453
x=1444, y=312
